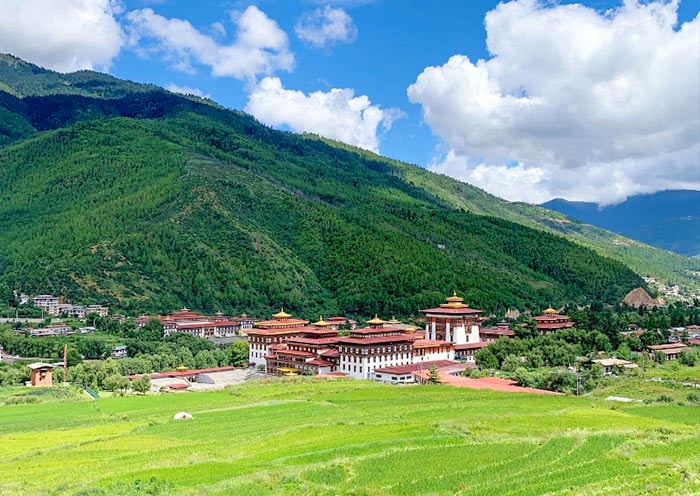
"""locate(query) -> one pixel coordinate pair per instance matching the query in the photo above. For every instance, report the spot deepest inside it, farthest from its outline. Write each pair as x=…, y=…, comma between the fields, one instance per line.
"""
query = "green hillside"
x=317, y=437
x=149, y=200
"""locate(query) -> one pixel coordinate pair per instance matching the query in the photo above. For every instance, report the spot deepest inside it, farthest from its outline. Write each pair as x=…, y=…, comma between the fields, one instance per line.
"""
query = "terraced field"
x=349, y=437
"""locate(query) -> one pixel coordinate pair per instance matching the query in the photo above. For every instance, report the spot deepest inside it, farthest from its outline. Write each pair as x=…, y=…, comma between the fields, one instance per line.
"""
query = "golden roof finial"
x=550, y=311
x=376, y=320
x=281, y=314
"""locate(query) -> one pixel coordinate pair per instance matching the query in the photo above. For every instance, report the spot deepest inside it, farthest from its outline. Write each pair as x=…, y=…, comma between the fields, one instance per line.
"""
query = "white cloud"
x=261, y=47
x=336, y=114
x=64, y=35
x=326, y=26
x=186, y=90
x=591, y=106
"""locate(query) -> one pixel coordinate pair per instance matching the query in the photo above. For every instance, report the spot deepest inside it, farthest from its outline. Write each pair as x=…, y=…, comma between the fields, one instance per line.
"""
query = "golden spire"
x=321, y=322
x=454, y=301
x=550, y=311
x=376, y=320
x=281, y=314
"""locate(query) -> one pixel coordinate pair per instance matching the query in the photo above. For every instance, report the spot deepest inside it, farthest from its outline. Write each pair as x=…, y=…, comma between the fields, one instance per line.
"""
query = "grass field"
x=349, y=437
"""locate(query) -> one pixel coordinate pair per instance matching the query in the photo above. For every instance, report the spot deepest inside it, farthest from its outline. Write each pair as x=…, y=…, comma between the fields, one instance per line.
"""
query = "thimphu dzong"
x=286, y=345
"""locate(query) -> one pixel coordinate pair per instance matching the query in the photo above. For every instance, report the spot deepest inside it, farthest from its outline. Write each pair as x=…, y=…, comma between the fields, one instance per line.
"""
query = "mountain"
x=667, y=219
x=126, y=194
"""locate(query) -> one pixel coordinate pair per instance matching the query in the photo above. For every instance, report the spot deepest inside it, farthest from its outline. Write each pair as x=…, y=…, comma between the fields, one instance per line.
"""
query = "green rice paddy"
x=349, y=437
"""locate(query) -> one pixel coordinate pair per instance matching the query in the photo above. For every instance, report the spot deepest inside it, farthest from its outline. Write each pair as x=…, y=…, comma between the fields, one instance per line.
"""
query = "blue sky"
x=556, y=110
x=392, y=47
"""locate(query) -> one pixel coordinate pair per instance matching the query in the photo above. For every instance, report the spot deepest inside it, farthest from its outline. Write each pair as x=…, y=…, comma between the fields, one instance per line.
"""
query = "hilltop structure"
x=551, y=321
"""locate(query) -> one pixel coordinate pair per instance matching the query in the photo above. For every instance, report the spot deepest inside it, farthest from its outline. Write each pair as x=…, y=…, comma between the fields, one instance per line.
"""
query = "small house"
x=119, y=352
x=40, y=374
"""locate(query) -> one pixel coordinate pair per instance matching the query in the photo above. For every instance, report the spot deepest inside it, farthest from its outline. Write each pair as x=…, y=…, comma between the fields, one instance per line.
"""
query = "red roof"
x=282, y=322
x=667, y=346
x=452, y=311
x=554, y=325
x=313, y=341
x=181, y=373
x=321, y=332
x=377, y=330
x=497, y=331
x=551, y=317
x=320, y=363
x=333, y=375
x=430, y=343
x=471, y=346
x=296, y=353
x=408, y=369
x=330, y=353
x=376, y=340
x=492, y=383
x=275, y=332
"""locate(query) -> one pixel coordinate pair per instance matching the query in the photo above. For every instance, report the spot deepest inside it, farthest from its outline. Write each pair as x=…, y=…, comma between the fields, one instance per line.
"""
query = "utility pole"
x=65, y=361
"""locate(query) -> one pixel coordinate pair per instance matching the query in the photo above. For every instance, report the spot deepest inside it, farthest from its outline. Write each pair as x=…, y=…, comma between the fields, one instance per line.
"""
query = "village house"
x=120, y=352
x=610, y=364
x=99, y=310
x=48, y=331
x=197, y=324
x=48, y=303
x=670, y=350
x=70, y=310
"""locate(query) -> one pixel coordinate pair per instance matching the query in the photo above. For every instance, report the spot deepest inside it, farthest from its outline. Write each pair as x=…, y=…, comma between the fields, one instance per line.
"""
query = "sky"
x=529, y=100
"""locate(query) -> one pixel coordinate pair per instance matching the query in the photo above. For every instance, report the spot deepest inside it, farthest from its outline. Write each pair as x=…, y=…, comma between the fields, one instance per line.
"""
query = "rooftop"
x=409, y=369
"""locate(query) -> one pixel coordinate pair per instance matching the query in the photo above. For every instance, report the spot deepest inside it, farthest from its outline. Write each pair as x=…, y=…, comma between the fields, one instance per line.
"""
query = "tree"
x=73, y=357
x=239, y=353
x=434, y=375
x=141, y=384
x=624, y=352
x=689, y=358
x=485, y=359
x=511, y=363
x=117, y=384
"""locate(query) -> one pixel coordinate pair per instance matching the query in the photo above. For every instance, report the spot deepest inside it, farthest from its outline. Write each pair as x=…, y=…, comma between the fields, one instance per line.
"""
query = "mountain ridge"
x=161, y=168
x=667, y=219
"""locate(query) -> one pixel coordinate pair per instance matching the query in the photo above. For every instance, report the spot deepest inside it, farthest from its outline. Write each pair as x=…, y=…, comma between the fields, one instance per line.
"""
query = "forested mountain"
x=146, y=200
x=667, y=219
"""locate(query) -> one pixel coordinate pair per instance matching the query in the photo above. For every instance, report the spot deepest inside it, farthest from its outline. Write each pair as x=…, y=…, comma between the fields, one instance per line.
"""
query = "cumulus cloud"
x=336, y=114
x=572, y=102
x=186, y=90
x=326, y=26
x=64, y=35
x=260, y=48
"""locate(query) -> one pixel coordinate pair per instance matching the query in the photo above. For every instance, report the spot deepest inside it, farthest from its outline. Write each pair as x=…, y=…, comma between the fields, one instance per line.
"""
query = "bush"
x=664, y=398
x=689, y=358
x=693, y=397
